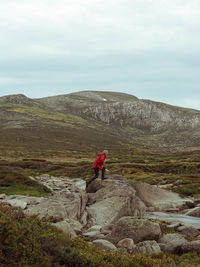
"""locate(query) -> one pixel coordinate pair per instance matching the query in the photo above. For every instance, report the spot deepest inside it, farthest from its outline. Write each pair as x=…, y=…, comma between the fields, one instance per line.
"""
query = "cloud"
x=147, y=47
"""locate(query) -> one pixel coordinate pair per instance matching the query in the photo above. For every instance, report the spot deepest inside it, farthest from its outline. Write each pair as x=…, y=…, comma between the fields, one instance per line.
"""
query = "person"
x=98, y=165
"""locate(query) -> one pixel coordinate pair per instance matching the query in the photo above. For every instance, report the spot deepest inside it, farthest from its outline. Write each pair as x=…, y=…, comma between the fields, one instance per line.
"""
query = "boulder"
x=104, y=244
x=146, y=247
x=193, y=246
x=160, y=199
x=188, y=231
x=126, y=243
x=60, y=207
x=171, y=242
x=66, y=228
x=2, y=196
x=134, y=228
x=195, y=212
x=109, y=210
x=17, y=203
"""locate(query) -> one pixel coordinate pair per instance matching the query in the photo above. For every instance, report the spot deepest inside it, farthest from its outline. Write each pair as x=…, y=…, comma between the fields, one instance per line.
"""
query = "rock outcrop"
x=111, y=214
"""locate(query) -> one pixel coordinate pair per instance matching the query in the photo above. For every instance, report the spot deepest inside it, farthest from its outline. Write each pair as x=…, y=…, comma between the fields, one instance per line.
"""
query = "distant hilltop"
x=108, y=113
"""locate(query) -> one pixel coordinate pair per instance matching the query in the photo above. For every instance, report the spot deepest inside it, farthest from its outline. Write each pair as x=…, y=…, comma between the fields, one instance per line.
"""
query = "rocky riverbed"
x=117, y=214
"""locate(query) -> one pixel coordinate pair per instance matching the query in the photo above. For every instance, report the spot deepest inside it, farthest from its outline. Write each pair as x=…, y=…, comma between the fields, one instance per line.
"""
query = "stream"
x=174, y=217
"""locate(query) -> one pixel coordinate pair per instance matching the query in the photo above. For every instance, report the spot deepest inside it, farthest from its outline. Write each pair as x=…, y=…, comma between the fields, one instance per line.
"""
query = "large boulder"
x=114, y=199
x=160, y=199
x=146, y=247
x=60, y=207
x=109, y=210
x=134, y=228
x=172, y=242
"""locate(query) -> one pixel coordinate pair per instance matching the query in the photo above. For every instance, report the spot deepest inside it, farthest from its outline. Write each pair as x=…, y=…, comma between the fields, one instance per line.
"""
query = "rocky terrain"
x=116, y=214
x=74, y=121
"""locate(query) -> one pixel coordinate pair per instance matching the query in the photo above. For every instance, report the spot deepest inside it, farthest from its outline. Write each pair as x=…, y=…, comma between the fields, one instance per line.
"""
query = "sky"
x=147, y=48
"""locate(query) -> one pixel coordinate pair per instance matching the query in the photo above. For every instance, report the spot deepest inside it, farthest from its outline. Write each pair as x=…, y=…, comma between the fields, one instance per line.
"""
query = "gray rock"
x=126, y=243
x=136, y=229
x=188, y=231
x=66, y=228
x=104, y=244
x=109, y=210
x=195, y=212
x=2, y=196
x=17, y=203
x=171, y=242
x=91, y=233
x=160, y=199
x=193, y=246
x=146, y=247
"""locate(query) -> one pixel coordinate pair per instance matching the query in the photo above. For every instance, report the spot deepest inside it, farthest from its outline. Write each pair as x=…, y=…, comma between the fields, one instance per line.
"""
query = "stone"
x=91, y=234
x=60, y=207
x=188, y=231
x=171, y=242
x=134, y=228
x=66, y=228
x=104, y=244
x=126, y=243
x=80, y=185
x=160, y=199
x=146, y=247
x=2, y=196
x=109, y=210
x=193, y=246
x=75, y=225
x=17, y=203
x=195, y=212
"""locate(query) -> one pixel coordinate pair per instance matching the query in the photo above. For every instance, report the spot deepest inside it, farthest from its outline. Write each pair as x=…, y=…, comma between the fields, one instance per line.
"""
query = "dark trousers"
x=96, y=175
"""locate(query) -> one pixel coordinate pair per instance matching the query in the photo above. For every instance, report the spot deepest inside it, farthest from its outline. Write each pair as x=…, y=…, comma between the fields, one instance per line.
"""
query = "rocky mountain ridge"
x=101, y=113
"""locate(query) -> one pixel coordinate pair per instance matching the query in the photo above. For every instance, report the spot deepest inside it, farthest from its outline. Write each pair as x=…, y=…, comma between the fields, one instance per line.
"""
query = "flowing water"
x=174, y=217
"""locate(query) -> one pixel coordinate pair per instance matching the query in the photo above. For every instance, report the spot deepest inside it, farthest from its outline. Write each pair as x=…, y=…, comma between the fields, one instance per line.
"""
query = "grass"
x=12, y=183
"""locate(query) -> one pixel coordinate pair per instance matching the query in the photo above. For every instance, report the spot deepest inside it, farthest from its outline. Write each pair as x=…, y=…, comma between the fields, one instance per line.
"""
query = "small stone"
x=104, y=244
x=127, y=243
x=2, y=196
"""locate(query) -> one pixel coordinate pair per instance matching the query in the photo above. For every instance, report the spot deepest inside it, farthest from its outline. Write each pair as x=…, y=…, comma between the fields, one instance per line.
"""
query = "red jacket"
x=98, y=163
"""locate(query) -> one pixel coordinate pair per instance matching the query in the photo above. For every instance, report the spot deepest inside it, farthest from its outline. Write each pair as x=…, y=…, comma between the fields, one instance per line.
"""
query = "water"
x=173, y=217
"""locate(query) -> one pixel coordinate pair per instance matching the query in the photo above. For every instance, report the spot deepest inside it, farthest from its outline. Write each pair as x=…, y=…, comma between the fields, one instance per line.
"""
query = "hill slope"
x=92, y=120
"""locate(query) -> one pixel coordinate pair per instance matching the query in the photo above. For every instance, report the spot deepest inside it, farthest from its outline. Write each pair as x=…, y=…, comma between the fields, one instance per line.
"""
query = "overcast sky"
x=148, y=48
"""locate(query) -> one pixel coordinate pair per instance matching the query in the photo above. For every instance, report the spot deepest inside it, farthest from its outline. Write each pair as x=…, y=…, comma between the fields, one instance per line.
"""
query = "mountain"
x=93, y=120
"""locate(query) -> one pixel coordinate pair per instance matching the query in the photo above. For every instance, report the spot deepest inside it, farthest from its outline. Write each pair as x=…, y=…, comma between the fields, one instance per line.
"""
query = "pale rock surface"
x=134, y=228
x=158, y=198
x=171, y=242
x=2, y=196
x=60, y=207
x=17, y=203
x=66, y=228
x=146, y=247
x=126, y=243
x=114, y=199
x=104, y=244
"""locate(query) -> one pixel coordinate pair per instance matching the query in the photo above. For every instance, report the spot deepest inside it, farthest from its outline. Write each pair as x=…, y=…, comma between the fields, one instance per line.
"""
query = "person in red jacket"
x=98, y=165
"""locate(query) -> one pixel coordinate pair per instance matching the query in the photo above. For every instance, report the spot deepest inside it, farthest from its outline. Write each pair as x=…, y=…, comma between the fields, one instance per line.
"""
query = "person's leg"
x=103, y=173
x=96, y=174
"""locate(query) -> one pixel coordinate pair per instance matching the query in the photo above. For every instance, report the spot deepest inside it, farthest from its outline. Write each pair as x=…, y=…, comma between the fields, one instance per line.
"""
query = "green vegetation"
x=15, y=183
x=26, y=241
